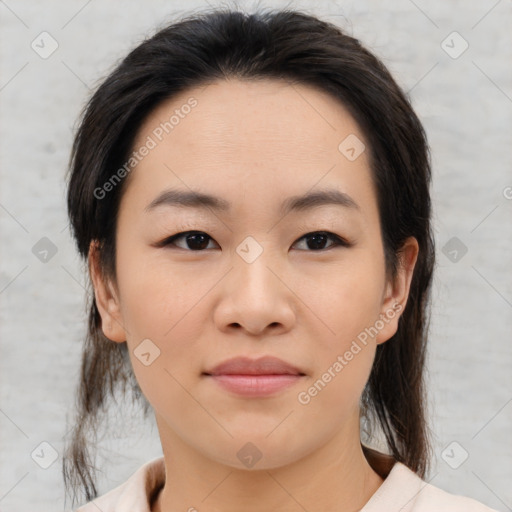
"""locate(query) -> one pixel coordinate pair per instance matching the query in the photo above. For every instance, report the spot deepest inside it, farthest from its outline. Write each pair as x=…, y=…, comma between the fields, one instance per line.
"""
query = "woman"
x=251, y=194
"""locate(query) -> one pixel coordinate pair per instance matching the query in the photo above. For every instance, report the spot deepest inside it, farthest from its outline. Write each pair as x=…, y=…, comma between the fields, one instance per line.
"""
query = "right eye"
x=195, y=241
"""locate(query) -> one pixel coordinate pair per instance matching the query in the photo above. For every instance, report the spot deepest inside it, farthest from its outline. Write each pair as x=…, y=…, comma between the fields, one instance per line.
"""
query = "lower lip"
x=255, y=385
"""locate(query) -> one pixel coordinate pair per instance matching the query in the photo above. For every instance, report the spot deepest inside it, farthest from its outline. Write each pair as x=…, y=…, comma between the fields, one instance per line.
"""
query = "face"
x=306, y=284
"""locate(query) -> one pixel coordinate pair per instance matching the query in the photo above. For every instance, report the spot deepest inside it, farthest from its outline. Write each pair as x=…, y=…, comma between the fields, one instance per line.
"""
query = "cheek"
x=348, y=306
x=336, y=389
x=167, y=312
x=348, y=299
x=342, y=362
x=164, y=307
x=156, y=296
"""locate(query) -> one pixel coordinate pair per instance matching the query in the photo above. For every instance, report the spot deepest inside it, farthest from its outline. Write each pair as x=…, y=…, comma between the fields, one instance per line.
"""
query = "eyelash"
x=339, y=242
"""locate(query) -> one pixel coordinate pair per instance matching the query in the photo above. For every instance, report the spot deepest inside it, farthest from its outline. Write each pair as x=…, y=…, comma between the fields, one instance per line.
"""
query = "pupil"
x=202, y=245
x=316, y=242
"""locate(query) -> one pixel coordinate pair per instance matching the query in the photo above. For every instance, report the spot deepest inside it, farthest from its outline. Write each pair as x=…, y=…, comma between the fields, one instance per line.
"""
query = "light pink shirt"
x=402, y=491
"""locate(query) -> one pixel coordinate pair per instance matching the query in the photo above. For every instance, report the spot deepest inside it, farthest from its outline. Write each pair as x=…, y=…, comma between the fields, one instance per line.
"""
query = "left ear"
x=397, y=292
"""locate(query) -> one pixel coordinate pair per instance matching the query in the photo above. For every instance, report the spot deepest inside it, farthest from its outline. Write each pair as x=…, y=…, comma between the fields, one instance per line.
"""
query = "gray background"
x=465, y=104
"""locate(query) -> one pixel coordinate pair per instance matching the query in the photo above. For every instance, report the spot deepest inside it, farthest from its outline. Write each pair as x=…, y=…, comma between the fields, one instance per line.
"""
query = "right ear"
x=107, y=301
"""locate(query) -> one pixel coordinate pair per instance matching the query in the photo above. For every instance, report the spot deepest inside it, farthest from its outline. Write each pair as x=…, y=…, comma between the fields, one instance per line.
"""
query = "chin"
x=259, y=451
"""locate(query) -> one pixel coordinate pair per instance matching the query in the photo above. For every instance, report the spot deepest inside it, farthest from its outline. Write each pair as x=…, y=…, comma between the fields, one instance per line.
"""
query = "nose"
x=256, y=297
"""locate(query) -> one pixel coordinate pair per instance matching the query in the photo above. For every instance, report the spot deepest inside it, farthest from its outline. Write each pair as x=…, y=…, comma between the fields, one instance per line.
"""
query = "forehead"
x=263, y=138
x=253, y=116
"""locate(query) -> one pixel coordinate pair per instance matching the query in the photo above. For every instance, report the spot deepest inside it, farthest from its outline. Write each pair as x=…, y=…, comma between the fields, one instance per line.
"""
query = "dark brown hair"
x=275, y=44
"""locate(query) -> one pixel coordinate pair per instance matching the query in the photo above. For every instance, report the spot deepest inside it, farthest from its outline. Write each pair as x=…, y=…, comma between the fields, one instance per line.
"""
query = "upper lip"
x=267, y=365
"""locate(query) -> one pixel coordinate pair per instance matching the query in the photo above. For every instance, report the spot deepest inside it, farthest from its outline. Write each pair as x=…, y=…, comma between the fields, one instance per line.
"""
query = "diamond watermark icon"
x=249, y=250
x=146, y=352
x=454, y=455
x=454, y=45
x=44, y=45
x=454, y=249
x=249, y=454
x=44, y=455
x=351, y=147
x=44, y=249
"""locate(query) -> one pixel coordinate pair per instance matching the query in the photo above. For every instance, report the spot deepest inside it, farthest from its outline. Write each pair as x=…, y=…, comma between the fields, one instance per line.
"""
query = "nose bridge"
x=255, y=296
x=251, y=262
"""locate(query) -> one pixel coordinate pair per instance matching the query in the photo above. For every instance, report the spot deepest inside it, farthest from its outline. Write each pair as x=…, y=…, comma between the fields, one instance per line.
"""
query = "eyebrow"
x=199, y=200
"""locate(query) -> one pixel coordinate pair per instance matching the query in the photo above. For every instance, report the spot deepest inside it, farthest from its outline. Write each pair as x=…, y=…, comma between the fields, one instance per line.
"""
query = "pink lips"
x=255, y=377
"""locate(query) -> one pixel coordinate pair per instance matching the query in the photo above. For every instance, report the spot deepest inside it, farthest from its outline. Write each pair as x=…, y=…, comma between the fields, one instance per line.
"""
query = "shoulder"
x=404, y=490
x=436, y=499
x=133, y=495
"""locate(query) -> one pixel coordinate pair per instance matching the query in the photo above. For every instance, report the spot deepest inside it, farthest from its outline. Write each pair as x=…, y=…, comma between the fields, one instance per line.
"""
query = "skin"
x=253, y=144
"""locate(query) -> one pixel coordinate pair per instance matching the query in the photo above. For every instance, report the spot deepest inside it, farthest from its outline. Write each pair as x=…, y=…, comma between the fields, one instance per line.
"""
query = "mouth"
x=266, y=365
x=255, y=385
x=255, y=377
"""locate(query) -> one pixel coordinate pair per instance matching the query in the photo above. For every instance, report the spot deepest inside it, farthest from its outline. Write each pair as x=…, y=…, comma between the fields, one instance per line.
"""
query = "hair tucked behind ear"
x=104, y=370
x=298, y=48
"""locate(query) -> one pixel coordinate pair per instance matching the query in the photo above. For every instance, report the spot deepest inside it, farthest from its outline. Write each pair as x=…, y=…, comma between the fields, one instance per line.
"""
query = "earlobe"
x=106, y=298
x=397, y=292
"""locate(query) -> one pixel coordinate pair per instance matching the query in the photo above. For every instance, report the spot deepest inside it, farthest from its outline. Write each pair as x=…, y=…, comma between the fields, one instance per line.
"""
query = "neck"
x=337, y=476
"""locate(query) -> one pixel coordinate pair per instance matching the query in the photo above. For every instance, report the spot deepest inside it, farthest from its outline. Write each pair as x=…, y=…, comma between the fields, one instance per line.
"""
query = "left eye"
x=197, y=241
x=319, y=237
